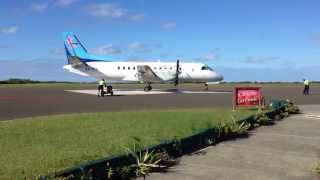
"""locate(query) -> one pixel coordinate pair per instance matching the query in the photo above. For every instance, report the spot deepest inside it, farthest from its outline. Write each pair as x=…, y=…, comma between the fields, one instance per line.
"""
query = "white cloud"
x=141, y=47
x=314, y=38
x=64, y=3
x=136, y=46
x=106, y=10
x=57, y=51
x=107, y=49
x=137, y=17
x=112, y=11
x=5, y=46
x=38, y=7
x=169, y=25
x=210, y=56
x=8, y=30
x=260, y=60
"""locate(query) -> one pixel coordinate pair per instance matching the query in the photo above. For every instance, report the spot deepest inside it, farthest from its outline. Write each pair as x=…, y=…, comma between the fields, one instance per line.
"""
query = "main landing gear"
x=148, y=87
x=206, y=87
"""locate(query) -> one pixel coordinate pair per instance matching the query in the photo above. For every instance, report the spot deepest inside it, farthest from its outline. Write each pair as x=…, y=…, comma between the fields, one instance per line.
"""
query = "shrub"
x=316, y=168
x=291, y=108
x=146, y=161
x=263, y=119
x=233, y=128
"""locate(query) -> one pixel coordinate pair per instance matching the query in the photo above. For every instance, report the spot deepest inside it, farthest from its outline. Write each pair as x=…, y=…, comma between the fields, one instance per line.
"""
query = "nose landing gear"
x=148, y=87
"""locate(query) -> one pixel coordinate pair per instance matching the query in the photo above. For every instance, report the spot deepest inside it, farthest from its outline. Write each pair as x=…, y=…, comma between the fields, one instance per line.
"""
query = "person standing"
x=102, y=84
x=306, y=84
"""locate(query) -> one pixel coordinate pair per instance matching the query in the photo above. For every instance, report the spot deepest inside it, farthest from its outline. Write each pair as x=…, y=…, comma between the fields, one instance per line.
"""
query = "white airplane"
x=83, y=63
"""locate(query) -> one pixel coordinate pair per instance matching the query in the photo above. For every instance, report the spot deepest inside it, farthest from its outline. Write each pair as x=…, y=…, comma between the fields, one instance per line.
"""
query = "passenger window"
x=118, y=67
x=134, y=67
x=128, y=68
x=160, y=68
x=124, y=68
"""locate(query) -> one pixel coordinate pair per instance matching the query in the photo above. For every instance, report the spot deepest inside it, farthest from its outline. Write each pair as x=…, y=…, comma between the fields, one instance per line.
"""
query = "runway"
x=127, y=92
x=20, y=102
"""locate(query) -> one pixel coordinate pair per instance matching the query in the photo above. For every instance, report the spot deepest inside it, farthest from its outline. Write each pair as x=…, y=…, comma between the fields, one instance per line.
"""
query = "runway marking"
x=122, y=92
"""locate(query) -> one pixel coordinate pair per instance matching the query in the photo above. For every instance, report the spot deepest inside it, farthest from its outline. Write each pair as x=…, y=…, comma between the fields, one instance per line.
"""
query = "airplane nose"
x=219, y=77
x=215, y=77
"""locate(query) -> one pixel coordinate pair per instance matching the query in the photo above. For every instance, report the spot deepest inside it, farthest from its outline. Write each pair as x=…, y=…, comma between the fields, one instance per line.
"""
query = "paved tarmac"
x=19, y=102
x=285, y=151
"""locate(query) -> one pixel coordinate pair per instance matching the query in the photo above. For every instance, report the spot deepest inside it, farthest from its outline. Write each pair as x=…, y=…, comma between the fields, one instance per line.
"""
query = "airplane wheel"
x=206, y=87
x=147, y=88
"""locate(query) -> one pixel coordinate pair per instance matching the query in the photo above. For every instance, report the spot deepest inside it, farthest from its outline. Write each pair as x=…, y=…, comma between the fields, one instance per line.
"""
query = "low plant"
x=145, y=161
x=232, y=128
x=316, y=168
x=291, y=108
x=109, y=171
x=284, y=114
x=263, y=119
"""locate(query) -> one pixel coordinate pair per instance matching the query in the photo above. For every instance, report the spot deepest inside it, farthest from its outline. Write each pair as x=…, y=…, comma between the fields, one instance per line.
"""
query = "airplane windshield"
x=206, y=68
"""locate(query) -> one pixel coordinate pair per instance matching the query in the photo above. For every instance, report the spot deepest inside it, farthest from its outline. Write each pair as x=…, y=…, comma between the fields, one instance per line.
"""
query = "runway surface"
x=125, y=92
x=18, y=102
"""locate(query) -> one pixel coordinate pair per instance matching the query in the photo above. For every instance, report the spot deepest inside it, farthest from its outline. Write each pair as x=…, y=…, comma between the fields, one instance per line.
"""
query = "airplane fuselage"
x=129, y=72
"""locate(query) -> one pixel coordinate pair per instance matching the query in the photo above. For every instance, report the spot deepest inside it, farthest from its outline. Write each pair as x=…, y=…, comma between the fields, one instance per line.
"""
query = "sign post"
x=247, y=97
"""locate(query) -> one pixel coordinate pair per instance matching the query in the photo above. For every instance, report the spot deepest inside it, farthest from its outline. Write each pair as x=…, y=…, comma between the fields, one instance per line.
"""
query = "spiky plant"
x=109, y=171
x=145, y=161
x=234, y=128
x=316, y=168
x=263, y=119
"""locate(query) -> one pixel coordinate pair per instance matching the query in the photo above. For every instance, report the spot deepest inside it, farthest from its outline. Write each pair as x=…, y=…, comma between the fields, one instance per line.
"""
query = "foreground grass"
x=41, y=145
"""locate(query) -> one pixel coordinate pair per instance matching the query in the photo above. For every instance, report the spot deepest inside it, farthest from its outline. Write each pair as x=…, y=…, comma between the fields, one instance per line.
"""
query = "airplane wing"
x=146, y=74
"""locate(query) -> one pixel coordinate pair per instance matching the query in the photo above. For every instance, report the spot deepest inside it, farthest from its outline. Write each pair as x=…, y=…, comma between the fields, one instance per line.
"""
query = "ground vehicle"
x=109, y=91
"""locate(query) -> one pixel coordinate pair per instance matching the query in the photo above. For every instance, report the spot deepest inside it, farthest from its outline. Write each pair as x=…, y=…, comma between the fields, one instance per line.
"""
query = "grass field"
x=41, y=145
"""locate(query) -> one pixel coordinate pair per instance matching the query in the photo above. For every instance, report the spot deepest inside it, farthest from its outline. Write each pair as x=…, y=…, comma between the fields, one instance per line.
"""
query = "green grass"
x=41, y=145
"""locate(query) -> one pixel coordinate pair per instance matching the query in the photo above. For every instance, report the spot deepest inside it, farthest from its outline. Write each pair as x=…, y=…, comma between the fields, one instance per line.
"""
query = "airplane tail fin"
x=73, y=46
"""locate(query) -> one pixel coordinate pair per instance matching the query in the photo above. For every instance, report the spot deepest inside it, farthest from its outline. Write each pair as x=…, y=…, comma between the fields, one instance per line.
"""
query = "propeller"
x=176, y=80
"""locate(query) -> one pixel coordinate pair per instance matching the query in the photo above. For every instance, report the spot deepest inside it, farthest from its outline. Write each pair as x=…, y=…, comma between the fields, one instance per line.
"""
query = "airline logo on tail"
x=70, y=42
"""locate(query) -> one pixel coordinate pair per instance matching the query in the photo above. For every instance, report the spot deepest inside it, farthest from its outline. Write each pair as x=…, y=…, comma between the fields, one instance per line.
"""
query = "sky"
x=244, y=40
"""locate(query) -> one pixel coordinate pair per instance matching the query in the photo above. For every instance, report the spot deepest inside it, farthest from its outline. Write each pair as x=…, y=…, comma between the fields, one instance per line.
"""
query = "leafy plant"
x=316, y=168
x=291, y=108
x=124, y=172
x=284, y=114
x=234, y=128
x=109, y=171
x=210, y=141
x=263, y=119
x=145, y=161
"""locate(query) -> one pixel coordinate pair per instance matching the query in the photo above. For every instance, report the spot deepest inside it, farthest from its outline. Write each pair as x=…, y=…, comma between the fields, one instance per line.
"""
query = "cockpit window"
x=206, y=68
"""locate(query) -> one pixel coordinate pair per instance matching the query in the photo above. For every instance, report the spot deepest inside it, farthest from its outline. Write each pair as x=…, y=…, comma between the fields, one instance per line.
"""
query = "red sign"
x=247, y=96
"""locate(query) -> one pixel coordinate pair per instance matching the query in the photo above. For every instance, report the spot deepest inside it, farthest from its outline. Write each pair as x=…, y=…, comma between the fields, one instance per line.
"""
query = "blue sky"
x=244, y=39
